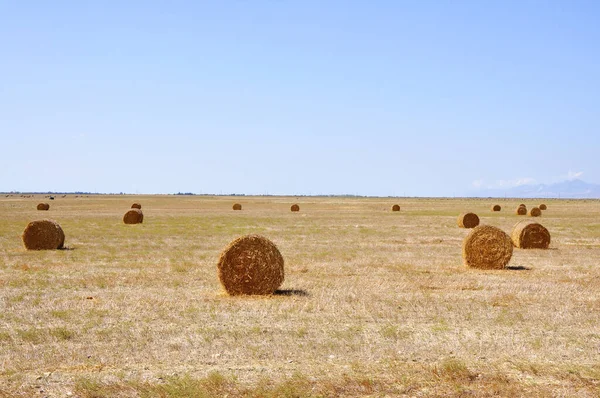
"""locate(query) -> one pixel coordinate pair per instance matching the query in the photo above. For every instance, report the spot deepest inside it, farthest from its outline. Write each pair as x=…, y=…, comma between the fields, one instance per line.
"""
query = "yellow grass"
x=373, y=303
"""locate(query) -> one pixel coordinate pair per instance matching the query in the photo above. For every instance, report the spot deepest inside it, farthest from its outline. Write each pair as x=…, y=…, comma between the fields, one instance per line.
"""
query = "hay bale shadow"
x=291, y=292
x=518, y=268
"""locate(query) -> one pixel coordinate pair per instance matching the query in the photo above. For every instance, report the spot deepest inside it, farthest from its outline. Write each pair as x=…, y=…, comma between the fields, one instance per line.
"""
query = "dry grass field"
x=374, y=302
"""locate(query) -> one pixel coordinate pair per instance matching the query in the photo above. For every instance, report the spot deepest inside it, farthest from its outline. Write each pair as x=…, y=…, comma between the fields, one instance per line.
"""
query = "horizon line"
x=10, y=193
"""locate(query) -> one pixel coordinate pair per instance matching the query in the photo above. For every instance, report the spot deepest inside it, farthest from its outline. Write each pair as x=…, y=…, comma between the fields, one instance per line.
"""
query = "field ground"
x=374, y=303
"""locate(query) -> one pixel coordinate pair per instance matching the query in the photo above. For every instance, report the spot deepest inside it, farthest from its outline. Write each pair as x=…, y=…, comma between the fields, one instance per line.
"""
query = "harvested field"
x=374, y=303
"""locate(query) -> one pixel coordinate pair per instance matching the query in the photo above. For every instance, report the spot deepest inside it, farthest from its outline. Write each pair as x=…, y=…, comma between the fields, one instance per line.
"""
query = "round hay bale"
x=396, y=208
x=530, y=235
x=468, y=220
x=521, y=210
x=295, y=208
x=496, y=208
x=136, y=206
x=487, y=247
x=133, y=216
x=237, y=206
x=43, y=206
x=43, y=235
x=535, y=212
x=251, y=264
x=543, y=207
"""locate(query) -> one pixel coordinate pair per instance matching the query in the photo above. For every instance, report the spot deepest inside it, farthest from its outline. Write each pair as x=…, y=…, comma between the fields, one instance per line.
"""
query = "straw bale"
x=251, y=264
x=468, y=220
x=43, y=235
x=543, y=206
x=496, y=208
x=396, y=208
x=295, y=208
x=487, y=247
x=237, y=206
x=136, y=206
x=530, y=235
x=133, y=216
x=521, y=210
x=43, y=206
x=535, y=212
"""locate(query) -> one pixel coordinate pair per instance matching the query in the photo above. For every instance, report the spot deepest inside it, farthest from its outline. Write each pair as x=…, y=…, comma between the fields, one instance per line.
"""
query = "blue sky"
x=419, y=98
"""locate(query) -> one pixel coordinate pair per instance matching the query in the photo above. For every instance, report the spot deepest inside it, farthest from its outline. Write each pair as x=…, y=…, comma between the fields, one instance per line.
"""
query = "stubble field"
x=374, y=302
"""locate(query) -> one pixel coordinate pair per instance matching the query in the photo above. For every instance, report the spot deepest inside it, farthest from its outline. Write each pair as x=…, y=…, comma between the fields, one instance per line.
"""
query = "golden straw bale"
x=521, y=210
x=396, y=208
x=237, y=206
x=251, y=264
x=496, y=208
x=133, y=216
x=530, y=235
x=543, y=207
x=43, y=235
x=43, y=206
x=136, y=206
x=487, y=247
x=468, y=220
x=535, y=212
x=295, y=208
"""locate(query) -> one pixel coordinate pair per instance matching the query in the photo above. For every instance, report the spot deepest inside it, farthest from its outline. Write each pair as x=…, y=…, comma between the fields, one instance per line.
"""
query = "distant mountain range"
x=574, y=189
